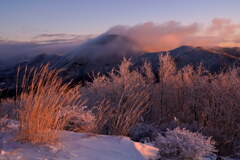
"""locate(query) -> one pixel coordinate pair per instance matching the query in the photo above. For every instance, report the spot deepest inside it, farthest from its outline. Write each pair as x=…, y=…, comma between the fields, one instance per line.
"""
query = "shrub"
x=42, y=100
x=181, y=144
x=3, y=124
x=9, y=107
x=82, y=119
x=121, y=99
x=119, y=119
x=206, y=102
x=111, y=88
x=143, y=133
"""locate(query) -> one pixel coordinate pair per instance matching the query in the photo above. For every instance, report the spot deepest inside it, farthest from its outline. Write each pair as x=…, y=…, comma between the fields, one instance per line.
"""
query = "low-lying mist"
x=18, y=51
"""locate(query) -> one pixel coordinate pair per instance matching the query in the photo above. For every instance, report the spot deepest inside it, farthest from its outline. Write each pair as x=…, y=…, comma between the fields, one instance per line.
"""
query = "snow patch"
x=77, y=146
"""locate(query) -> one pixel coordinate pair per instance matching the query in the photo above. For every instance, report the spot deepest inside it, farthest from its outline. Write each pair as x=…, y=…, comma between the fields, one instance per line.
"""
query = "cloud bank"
x=169, y=35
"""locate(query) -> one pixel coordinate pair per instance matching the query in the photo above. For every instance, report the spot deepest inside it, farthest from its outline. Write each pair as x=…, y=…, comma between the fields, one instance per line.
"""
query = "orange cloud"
x=223, y=27
x=156, y=37
x=150, y=36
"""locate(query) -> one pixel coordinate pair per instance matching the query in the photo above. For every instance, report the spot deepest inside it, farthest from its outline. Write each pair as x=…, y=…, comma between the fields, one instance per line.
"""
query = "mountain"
x=212, y=59
x=101, y=54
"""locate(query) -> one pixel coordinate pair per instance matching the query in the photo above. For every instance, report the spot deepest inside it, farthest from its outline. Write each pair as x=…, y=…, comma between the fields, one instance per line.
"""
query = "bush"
x=206, y=102
x=181, y=144
x=82, y=119
x=41, y=103
x=9, y=108
x=119, y=119
x=121, y=99
x=143, y=133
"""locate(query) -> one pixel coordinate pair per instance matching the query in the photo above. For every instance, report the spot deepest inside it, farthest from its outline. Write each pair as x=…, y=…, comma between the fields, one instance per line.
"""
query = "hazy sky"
x=21, y=20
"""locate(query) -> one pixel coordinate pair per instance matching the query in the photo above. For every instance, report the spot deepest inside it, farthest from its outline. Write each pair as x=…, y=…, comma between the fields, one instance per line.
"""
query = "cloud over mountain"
x=123, y=40
x=168, y=35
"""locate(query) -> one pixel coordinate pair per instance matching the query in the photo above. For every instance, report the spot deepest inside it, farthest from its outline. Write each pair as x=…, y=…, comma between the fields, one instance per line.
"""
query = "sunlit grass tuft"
x=41, y=102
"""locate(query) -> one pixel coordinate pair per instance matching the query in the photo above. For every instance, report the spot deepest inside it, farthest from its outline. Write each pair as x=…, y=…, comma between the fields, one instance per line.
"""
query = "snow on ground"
x=77, y=146
x=100, y=147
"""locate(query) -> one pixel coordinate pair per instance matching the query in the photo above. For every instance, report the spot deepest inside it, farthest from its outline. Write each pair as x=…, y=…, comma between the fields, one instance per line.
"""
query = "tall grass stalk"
x=41, y=101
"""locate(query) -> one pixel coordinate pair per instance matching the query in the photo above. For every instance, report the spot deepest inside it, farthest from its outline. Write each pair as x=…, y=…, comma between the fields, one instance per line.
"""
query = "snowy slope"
x=77, y=146
x=81, y=147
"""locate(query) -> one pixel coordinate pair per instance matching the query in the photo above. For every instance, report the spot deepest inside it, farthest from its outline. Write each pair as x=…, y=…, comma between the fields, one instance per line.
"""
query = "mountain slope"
x=211, y=59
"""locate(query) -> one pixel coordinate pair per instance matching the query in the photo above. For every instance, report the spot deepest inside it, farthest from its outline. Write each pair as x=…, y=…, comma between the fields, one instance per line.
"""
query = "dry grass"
x=119, y=119
x=129, y=110
x=42, y=101
x=121, y=99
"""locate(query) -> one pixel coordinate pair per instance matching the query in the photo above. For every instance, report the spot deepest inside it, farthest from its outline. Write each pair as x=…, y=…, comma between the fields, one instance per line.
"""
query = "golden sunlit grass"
x=42, y=101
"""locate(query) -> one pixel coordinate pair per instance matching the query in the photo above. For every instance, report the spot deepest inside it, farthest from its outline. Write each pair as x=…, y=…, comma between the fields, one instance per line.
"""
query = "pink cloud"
x=155, y=37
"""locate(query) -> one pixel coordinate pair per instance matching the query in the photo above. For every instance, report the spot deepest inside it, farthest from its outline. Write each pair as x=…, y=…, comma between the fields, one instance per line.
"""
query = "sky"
x=27, y=20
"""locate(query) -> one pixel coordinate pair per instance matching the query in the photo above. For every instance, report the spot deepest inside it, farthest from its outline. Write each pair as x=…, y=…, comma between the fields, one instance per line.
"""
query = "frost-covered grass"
x=121, y=99
x=181, y=144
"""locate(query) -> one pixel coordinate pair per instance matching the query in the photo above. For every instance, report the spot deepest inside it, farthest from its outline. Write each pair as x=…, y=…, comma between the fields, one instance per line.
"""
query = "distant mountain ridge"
x=105, y=52
x=212, y=59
